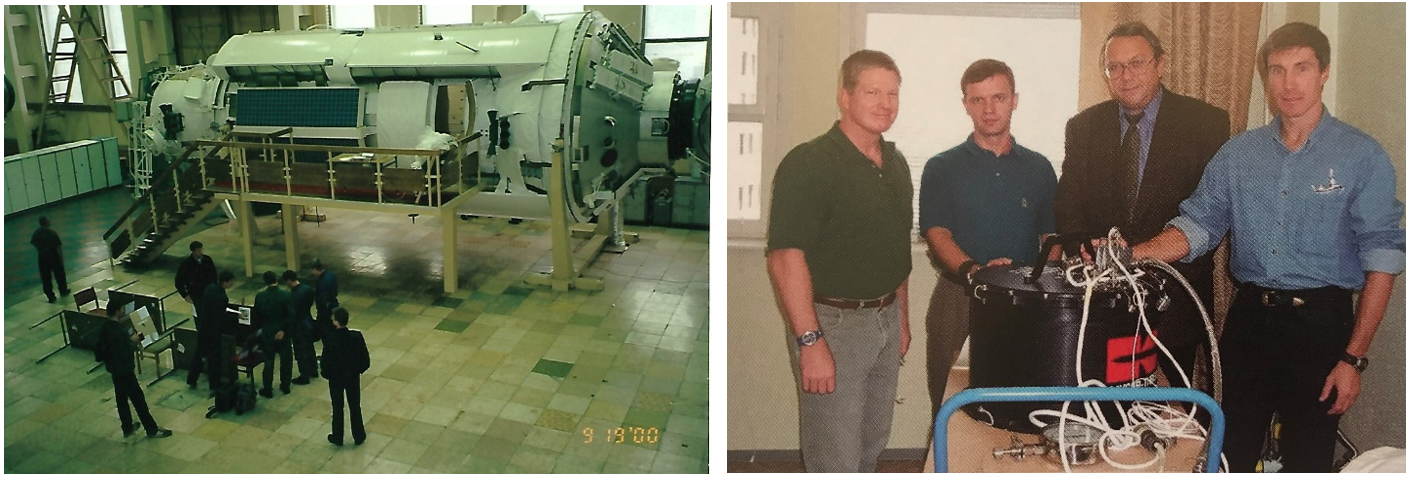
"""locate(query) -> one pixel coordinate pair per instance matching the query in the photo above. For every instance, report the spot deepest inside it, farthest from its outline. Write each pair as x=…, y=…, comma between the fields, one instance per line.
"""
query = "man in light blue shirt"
x=1310, y=204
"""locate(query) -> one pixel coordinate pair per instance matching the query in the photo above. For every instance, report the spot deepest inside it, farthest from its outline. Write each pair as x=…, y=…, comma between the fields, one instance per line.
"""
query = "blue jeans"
x=846, y=431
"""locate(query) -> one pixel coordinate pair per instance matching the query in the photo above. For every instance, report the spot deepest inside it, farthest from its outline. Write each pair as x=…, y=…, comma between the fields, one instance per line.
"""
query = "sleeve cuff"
x=1389, y=261
x=1197, y=239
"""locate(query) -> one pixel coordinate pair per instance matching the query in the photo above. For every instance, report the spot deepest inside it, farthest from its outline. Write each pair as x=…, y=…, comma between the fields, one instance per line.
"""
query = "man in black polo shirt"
x=839, y=255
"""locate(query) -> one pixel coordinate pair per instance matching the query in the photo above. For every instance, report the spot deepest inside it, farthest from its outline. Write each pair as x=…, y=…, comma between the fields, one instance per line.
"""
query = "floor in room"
x=904, y=465
x=497, y=377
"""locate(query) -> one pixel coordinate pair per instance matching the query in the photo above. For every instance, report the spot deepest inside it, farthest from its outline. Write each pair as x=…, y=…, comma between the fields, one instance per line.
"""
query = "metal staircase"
x=166, y=212
x=87, y=39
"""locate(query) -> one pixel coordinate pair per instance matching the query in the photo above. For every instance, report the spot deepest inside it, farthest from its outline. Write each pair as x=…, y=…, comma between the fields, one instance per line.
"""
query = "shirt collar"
x=1149, y=112
x=1325, y=120
x=975, y=148
x=836, y=134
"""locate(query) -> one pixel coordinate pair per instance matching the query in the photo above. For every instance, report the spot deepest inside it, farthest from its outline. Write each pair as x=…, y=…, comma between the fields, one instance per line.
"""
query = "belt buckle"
x=1265, y=297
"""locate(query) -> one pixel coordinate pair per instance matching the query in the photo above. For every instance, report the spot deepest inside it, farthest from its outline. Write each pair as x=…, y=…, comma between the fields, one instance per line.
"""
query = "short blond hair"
x=863, y=60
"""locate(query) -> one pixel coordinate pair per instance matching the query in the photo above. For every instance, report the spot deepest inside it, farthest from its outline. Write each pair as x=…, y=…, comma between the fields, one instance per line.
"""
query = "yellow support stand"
x=448, y=249
x=567, y=274
x=291, y=235
x=247, y=235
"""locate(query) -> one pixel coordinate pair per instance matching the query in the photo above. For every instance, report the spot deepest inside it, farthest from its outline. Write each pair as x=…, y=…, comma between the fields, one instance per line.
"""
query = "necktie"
x=1127, y=159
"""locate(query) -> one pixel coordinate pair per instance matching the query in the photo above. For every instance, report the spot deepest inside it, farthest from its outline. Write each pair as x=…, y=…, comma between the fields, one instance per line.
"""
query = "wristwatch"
x=964, y=270
x=1359, y=363
x=809, y=338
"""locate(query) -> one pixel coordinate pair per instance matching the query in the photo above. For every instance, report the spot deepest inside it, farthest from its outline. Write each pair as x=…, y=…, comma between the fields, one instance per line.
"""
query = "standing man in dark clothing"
x=211, y=321
x=839, y=253
x=1129, y=161
x=51, y=258
x=325, y=297
x=345, y=360
x=116, y=347
x=273, y=311
x=195, y=273
x=302, y=296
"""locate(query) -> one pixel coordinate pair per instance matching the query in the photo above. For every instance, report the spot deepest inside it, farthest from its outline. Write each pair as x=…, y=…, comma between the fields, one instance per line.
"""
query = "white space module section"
x=521, y=84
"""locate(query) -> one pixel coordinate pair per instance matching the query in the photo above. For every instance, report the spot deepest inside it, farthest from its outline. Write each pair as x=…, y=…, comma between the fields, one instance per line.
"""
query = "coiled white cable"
x=1162, y=419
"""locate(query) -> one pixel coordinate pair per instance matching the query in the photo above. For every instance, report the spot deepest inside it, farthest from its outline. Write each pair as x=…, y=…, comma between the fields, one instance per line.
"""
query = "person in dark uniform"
x=211, y=321
x=302, y=296
x=273, y=310
x=345, y=360
x=117, y=345
x=195, y=273
x=51, y=258
x=325, y=297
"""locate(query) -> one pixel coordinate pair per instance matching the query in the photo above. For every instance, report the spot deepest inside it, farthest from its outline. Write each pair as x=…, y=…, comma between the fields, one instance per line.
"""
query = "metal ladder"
x=93, y=45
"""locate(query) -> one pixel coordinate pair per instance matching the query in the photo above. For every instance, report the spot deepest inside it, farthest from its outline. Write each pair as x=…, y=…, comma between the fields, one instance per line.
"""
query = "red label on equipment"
x=1131, y=357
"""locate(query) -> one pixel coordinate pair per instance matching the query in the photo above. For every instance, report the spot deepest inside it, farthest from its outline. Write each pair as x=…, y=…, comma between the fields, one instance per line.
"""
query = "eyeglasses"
x=1115, y=69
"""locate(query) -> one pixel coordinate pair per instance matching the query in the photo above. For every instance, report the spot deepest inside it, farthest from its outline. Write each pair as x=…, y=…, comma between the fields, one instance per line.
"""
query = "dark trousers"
x=323, y=323
x=207, y=355
x=349, y=387
x=304, y=348
x=127, y=390
x=50, y=270
x=286, y=368
x=1275, y=360
x=948, y=324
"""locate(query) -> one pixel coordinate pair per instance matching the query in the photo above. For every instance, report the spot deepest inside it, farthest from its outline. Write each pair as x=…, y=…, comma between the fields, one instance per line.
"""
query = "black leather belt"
x=882, y=302
x=1292, y=297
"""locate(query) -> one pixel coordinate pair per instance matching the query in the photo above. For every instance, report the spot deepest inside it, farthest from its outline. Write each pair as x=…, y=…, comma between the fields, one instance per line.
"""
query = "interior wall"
x=1370, y=49
x=201, y=30
x=397, y=15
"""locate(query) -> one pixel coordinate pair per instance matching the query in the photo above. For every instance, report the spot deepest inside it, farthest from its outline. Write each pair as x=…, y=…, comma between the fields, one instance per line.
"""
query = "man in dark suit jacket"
x=274, y=312
x=345, y=360
x=1176, y=136
x=211, y=322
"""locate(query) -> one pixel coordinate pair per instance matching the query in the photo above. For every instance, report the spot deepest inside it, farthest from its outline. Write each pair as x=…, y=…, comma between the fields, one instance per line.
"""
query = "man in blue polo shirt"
x=1310, y=203
x=988, y=201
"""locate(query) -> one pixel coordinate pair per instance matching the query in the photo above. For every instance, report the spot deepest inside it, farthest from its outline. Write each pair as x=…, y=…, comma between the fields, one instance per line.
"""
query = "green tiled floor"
x=553, y=369
x=498, y=377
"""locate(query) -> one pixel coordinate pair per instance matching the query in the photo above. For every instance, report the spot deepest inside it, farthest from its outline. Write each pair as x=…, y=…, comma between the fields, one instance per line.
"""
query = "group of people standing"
x=286, y=328
x=1308, y=201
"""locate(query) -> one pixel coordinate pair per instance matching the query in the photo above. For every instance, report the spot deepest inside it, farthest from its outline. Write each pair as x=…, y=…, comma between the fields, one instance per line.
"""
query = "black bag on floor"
x=225, y=400
x=245, y=399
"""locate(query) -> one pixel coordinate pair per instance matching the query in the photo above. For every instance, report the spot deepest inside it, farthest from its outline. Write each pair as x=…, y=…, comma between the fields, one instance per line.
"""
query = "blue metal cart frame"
x=1024, y=394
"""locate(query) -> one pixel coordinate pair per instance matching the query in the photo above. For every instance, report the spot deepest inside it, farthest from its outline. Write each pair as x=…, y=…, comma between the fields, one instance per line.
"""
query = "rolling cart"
x=1024, y=394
